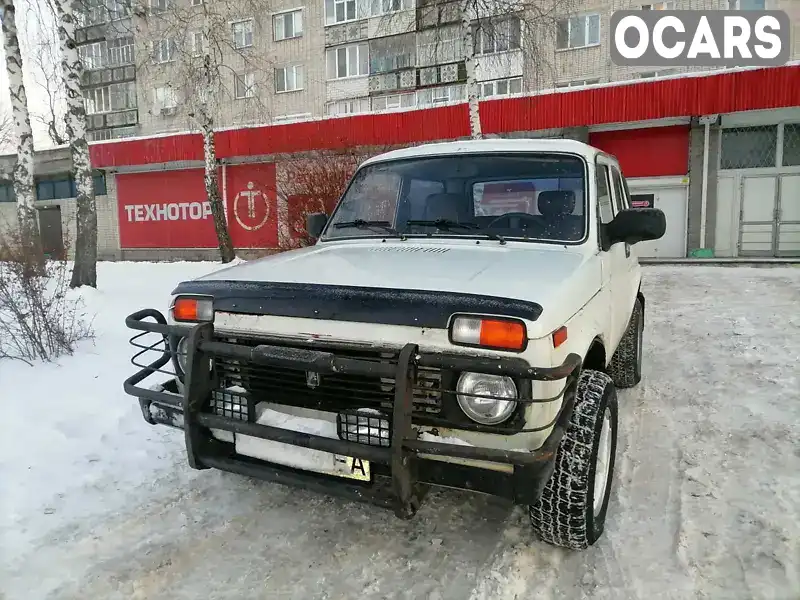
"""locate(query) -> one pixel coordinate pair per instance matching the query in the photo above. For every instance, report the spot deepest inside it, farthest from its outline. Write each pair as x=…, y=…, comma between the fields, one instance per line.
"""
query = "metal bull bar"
x=203, y=450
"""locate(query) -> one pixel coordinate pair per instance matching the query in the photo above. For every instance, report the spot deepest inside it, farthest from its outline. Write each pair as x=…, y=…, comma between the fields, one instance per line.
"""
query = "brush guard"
x=409, y=475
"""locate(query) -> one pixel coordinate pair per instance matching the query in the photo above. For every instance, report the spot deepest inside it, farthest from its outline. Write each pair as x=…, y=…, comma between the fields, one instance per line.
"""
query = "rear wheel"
x=572, y=510
x=626, y=363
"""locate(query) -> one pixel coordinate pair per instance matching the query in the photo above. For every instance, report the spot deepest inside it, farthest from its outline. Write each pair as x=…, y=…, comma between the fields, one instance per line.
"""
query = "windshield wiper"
x=362, y=224
x=448, y=225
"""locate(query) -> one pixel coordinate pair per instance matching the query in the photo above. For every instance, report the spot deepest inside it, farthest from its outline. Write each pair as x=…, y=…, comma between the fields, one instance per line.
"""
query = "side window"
x=604, y=205
x=621, y=199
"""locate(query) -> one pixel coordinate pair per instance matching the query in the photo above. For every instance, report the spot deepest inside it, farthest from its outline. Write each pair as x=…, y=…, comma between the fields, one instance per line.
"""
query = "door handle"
x=627, y=250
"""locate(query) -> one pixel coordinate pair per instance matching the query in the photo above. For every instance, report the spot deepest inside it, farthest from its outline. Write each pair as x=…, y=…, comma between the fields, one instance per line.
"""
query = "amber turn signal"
x=186, y=308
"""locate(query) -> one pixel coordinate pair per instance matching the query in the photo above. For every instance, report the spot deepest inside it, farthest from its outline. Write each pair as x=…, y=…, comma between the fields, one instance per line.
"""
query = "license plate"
x=304, y=458
x=352, y=468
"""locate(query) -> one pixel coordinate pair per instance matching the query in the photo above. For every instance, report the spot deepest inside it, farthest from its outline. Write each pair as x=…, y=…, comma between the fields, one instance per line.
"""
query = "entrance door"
x=50, y=230
x=789, y=216
x=673, y=202
x=757, y=223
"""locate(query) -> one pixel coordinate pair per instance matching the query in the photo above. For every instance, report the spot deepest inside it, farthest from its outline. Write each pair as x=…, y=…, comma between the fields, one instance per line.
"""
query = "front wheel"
x=572, y=510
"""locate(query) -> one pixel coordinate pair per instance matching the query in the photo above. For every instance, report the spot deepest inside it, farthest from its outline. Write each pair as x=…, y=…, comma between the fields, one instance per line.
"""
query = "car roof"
x=493, y=145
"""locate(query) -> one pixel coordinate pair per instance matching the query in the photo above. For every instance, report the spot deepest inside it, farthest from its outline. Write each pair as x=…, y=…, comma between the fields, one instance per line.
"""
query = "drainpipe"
x=706, y=121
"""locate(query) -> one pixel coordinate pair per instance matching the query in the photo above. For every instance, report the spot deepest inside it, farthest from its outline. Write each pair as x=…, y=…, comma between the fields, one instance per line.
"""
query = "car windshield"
x=531, y=196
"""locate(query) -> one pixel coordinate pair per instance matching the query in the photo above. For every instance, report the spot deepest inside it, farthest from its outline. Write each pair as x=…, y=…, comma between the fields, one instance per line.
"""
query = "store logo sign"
x=700, y=38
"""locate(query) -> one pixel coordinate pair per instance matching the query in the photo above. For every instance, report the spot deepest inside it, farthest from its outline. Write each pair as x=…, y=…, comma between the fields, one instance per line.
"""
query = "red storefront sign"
x=169, y=209
x=252, y=205
x=164, y=209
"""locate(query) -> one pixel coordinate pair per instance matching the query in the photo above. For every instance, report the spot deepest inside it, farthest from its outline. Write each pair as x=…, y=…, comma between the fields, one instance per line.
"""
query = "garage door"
x=673, y=202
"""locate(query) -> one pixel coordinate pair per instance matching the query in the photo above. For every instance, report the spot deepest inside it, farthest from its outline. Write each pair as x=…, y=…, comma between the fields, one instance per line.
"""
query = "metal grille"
x=791, y=145
x=749, y=147
x=331, y=392
x=234, y=405
x=364, y=427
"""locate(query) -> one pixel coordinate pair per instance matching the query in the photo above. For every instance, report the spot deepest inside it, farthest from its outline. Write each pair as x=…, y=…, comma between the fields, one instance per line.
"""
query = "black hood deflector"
x=385, y=306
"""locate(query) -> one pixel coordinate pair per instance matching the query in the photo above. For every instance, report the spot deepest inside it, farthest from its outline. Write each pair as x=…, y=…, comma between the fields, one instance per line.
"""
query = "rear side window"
x=619, y=192
x=604, y=202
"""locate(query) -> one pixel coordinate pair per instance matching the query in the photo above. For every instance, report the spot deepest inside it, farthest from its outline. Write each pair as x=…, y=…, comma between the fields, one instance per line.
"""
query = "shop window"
x=791, y=145
x=64, y=187
x=749, y=147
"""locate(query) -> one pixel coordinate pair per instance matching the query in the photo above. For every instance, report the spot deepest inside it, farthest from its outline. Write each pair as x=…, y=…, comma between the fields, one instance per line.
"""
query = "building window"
x=347, y=107
x=577, y=83
x=242, y=33
x=197, y=2
x=287, y=25
x=289, y=79
x=497, y=36
x=7, y=192
x=93, y=56
x=791, y=145
x=439, y=46
x=243, y=85
x=578, y=32
x=348, y=61
x=97, y=100
x=163, y=51
x=57, y=188
x=661, y=73
x=111, y=53
x=747, y=5
x=441, y=95
x=339, y=11
x=749, y=147
x=165, y=97
x=385, y=7
x=197, y=43
x=158, y=6
x=500, y=87
x=120, y=51
x=659, y=6
x=392, y=53
x=394, y=101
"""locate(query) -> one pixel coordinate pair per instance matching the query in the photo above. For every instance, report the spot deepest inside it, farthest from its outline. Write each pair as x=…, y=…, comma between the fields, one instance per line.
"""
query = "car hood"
x=545, y=274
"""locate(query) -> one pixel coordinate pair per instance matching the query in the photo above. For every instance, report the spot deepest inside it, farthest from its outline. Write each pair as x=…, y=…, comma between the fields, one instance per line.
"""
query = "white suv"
x=462, y=321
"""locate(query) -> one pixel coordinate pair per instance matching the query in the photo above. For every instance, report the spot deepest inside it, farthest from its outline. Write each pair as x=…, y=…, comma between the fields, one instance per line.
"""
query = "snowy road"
x=95, y=504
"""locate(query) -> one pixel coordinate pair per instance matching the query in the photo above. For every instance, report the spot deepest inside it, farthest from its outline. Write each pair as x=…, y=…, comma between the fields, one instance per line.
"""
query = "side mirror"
x=315, y=223
x=634, y=225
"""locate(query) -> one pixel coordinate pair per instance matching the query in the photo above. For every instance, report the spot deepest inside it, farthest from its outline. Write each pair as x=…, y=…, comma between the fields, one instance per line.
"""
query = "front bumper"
x=401, y=465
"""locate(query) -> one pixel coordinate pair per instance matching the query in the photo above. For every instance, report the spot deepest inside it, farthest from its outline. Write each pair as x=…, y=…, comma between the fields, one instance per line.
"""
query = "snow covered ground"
x=96, y=504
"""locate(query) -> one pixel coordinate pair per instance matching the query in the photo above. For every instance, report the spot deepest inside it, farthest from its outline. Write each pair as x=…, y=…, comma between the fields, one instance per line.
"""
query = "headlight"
x=486, y=411
x=181, y=353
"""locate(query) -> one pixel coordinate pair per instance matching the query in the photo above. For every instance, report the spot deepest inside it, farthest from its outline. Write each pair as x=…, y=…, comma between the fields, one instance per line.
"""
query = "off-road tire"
x=626, y=363
x=564, y=514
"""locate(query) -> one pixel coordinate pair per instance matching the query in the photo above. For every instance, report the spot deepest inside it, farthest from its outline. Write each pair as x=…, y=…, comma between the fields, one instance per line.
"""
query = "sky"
x=29, y=31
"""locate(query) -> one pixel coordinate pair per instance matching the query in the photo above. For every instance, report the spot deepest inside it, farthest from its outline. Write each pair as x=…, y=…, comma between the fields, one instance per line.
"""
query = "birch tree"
x=84, y=271
x=483, y=23
x=23, y=169
x=200, y=60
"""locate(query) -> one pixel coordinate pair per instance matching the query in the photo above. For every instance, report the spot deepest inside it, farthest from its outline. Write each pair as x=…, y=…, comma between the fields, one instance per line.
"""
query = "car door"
x=630, y=271
x=614, y=259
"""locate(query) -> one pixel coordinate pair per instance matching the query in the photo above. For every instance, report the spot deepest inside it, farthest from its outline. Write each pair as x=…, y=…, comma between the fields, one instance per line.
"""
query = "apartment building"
x=292, y=60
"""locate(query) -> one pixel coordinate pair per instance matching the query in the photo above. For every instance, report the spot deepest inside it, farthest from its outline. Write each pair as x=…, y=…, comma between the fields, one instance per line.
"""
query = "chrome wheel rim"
x=603, y=463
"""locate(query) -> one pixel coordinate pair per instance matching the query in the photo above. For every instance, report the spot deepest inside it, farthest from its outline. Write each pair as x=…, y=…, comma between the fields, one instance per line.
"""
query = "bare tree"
x=23, y=169
x=84, y=271
x=202, y=61
x=44, y=62
x=479, y=32
x=7, y=136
